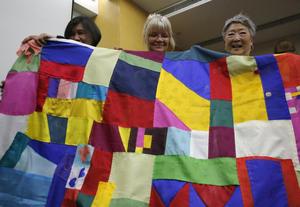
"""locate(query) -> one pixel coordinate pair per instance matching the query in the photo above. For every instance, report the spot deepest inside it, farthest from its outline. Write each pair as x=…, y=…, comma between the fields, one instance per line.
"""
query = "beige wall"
x=121, y=23
x=268, y=47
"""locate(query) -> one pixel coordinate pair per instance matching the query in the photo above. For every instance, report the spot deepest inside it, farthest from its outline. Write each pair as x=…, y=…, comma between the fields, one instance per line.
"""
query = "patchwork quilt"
x=88, y=126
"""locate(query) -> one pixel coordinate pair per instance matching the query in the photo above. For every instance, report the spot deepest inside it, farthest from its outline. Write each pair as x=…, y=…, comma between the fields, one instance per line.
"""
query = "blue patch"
x=193, y=74
x=167, y=189
x=66, y=53
x=195, y=200
x=72, y=182
x=57, y=128
x=196, y=53
x=59, y=181
x=21, y=189
x=135, y=81
x=81, y=173
x=236, y=198
x=267, y=184
x=178, y=142
x=53, y=87
x=276, y=104
x=53, y=152
x=90, y=91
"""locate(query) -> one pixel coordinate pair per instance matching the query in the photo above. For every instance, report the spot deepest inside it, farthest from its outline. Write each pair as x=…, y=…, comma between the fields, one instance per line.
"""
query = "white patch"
x=199, y=144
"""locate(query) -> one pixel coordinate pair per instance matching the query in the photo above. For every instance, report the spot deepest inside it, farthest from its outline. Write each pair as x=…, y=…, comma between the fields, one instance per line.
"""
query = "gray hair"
x=242, y=19
x=157, y=21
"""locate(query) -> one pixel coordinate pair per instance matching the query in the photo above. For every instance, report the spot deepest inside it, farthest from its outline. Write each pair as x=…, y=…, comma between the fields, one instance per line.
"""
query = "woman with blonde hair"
x=158, y=34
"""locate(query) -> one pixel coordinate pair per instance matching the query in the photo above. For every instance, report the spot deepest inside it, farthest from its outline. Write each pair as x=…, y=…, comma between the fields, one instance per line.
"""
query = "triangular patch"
x=167, y=189
x=209, y=193
x=164, y=117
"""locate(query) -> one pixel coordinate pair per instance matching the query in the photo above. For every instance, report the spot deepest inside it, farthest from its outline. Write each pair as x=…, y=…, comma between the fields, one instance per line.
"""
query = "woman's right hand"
x=39, y=39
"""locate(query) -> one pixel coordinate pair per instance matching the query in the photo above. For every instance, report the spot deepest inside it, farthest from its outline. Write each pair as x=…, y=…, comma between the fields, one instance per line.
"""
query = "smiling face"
x=81, y=35
x=238, y=40
x=158, y=41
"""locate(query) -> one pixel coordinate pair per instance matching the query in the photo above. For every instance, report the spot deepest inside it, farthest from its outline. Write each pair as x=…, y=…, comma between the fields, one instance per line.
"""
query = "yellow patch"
x=87, y=108
x=294, y=94
x=248, y=101
x=147, y=141
x=125, y=133
x=38, y=127
x=189, y=107
x=104, y=194
x=139, y=150
x=100, y=66
x=78, y=130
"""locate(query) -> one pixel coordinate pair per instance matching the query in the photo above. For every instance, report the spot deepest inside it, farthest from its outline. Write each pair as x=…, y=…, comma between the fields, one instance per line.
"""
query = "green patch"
x=21, y=64
x=13, y=154
x=221, y=113
x=125, y=202
x=140, y=62
x=218, y=171
x=84, y=200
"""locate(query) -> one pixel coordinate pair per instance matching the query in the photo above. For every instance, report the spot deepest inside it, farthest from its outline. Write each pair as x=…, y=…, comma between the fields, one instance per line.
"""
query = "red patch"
x=70, y=198
x=99, y=171
x=128, y=111
x=290, y=181
x=63, y=71
x=84, y=152
x=182, y=198
x=288, y=65
x=42, y=91
x=209, y=193
x=220, y=85
x=155, y=200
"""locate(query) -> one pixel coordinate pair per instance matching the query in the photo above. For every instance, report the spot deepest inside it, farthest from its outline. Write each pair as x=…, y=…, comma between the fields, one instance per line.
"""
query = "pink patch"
x=164, y=117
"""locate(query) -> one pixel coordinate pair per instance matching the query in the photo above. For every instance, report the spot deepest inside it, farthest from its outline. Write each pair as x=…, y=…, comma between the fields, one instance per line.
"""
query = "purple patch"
x=106, y=137
x=140, y=137
x=221, y=142
x=16, y=100
x=151, y=55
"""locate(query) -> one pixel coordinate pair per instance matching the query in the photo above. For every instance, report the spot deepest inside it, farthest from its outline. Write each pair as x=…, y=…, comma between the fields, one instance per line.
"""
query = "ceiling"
x=202, y=24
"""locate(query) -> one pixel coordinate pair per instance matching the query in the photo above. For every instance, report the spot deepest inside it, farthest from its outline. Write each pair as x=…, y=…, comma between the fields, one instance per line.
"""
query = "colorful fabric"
x=85, y=126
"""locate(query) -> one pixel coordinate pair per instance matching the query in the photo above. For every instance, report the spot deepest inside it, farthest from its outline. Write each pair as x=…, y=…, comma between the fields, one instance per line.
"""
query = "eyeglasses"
x=241, y=33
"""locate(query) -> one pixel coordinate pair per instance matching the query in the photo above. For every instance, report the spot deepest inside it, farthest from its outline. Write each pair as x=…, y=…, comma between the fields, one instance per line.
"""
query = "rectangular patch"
x=220, y=85
x=134, y=81
x=66, y=53
x=68, y=72
x=248, y=102
x=221, y=142
x=221, y=113
x=276, y=104
x=218, y=171
x=15, y=100
x=138, y=113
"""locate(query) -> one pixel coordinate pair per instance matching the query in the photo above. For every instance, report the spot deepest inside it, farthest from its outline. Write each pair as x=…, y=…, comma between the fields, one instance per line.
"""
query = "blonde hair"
x=158, y=22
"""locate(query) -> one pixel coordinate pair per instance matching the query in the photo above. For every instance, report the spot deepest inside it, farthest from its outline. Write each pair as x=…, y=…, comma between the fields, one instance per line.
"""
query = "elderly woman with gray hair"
x=238, y=33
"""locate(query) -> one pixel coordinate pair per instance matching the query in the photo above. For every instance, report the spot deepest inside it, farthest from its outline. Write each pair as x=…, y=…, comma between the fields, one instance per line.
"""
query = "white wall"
x=26, y=17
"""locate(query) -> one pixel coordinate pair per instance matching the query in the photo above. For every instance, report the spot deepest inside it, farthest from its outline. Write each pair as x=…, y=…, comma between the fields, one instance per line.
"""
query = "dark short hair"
x=88, y=25
x=283, y=46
